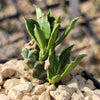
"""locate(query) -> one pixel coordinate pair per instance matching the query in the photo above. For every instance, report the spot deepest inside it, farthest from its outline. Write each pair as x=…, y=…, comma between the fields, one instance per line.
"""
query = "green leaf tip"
x=45, y=26
x=67, y=31
x=53, y=36
x=30, y=25
x=72, y=65
x=40, y=38
x=39, y=12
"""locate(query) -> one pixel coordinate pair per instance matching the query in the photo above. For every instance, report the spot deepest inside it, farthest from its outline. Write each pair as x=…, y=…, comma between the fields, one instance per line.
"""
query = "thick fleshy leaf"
x=25, y=53
x=72, y=65
x=58, y=20
x=54, y=61
x=44, y=26
x=40, y=38
x=53, y=36
x=53, y=78
x=68, y=29
x=49, y=13
x=30, y=25
x=51, y=59
x=43, y=55
x=51, y=19
x=28, y=54
x=39, y=13
x=64, y=58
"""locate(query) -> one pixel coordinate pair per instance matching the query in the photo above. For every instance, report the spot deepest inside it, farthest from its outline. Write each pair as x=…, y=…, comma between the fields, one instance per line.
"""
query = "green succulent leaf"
x=51, y=59
x=45, y=27
x=43, y=55
x=30, y=25
x=25, y=53
x=64, y=58
x=43, y=75
x=39, y=13
x=28, y=54
x=50, y=13
x=68, y=29
x=50, y=17
x=72, y=65
x=58, y=20
x=53, y=78
x=40, y=38
x=54, y=62
x=53, y=36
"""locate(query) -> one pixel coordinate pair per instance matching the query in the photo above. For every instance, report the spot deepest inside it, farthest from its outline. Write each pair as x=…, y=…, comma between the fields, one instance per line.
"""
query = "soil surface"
x=14, y=85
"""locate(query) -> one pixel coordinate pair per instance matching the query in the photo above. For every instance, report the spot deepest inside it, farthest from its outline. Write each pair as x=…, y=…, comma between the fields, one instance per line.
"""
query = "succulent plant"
x=33, y=65
x=45, y=32
x=58, y=63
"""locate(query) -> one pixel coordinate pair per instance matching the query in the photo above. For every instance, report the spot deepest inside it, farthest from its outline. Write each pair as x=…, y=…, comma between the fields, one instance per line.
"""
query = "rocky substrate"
x=15, y=86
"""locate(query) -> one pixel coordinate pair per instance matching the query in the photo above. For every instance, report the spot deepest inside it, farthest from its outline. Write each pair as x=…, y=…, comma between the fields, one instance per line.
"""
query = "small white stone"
x=35, y=97
x=1, y=79
x=76, y=96
x=44, y=96
x=38, y=90
x=17, y=74
x=22, y=80
x=11, y=62
x=4, y=97
x=10, y=83
x=15, y=94
x=81, y=82
x=97, y=92
x=90, y=84
x=87, y=91
x=74, y=84
x=88, y=98
x=20, y=65
x=25, y=88
x=17, y=91
x=26, y=97
x=67, y=89
x=50, y=88
x=60, y=94
x=7, y=71
x=95, y=97
x=0, y=88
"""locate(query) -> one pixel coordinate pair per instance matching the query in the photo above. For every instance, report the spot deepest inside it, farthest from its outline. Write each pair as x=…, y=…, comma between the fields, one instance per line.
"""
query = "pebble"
x=17, y=91
x=97, y=92
x=1, y=79
x=25, y=97
x=4, y=97
x=76, y=96
x=44, y=96
x=7, y=71
x=50, y=88
x=38, y=90
x=35, y=97
x=10, y=83
x=60, y=94
x=15, y=94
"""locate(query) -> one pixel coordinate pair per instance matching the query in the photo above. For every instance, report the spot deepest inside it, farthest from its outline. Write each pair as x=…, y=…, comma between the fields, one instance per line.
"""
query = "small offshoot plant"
x=45, y=32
